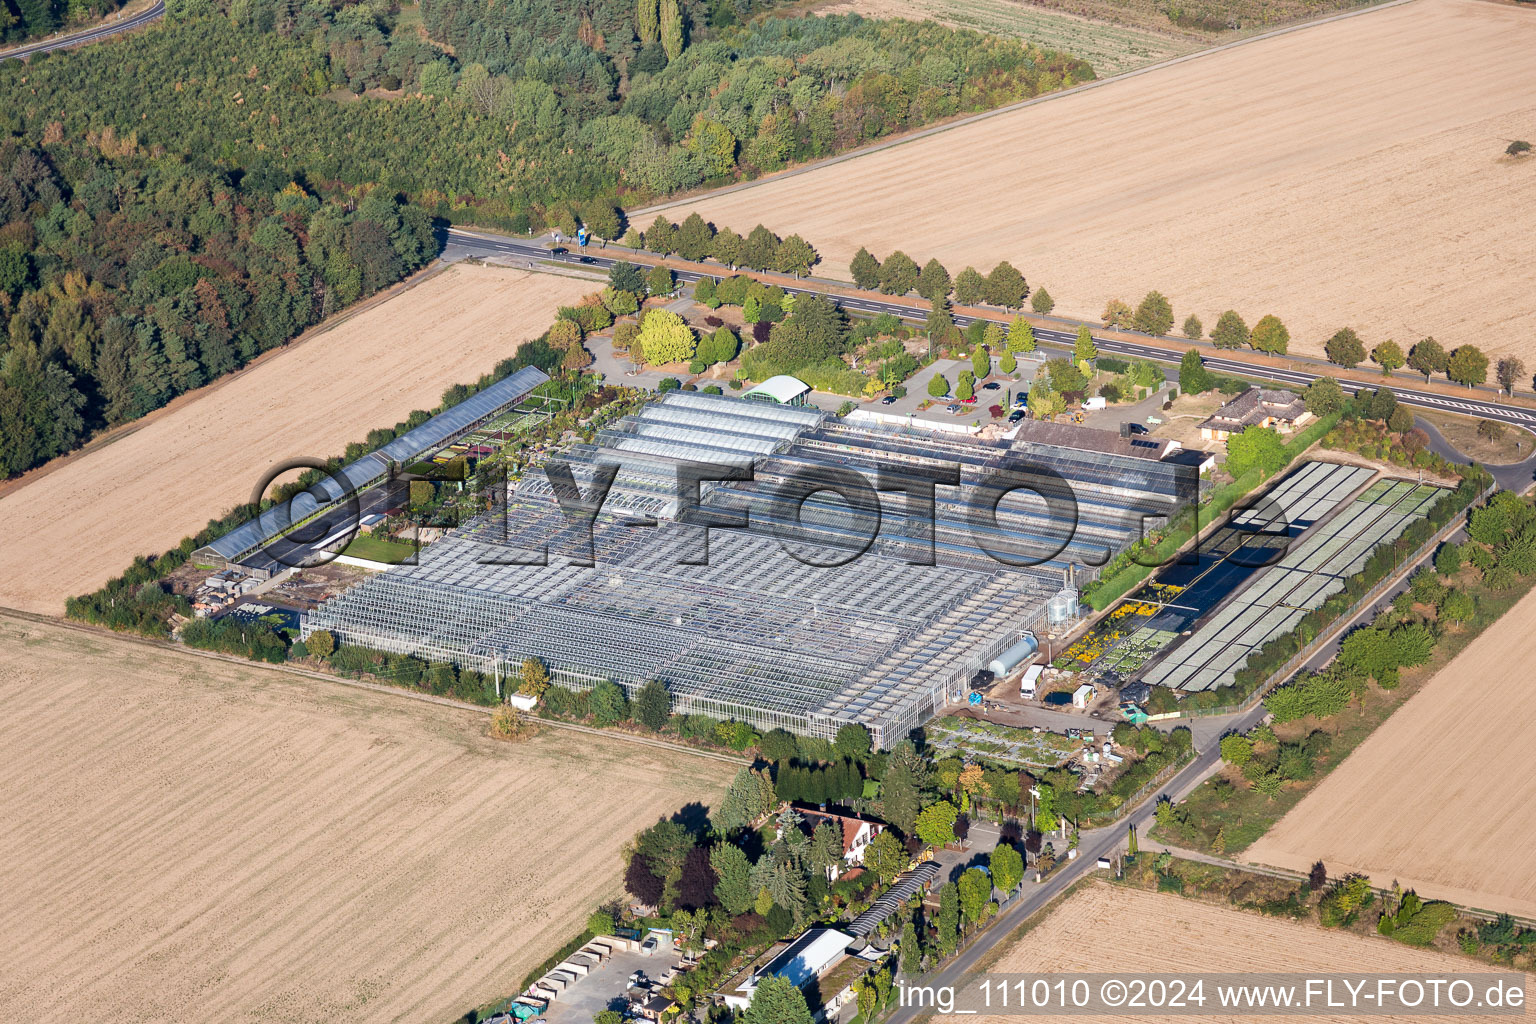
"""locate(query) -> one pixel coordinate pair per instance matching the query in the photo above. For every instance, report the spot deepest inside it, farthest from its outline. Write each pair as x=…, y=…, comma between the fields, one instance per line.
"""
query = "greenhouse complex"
x=823, y=610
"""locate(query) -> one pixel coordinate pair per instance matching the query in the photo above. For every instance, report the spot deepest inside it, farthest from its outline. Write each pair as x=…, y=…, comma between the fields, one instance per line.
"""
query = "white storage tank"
x=1062, y=607
x=1013, y=657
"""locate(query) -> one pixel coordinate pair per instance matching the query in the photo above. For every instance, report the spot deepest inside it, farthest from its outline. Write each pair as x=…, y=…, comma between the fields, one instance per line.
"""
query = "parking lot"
x=606, y=987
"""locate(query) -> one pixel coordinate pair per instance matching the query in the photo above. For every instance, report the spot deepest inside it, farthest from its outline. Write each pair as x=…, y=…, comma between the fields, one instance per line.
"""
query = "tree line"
x=21, y=20
x=127, y=279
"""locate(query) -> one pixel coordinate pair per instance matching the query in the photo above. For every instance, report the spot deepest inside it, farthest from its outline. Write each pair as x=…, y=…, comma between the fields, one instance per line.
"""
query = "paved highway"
x=480, y=244
x=89, y=35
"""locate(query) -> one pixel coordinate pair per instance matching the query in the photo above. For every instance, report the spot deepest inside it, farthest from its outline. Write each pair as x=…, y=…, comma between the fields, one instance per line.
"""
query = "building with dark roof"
x=1257, y=407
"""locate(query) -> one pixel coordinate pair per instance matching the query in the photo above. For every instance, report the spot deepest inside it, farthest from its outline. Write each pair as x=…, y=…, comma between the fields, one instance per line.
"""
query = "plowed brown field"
x=1441, y=797
x=1107, y=929
x=189, y=840
x=72, y=528
x=1350, y=173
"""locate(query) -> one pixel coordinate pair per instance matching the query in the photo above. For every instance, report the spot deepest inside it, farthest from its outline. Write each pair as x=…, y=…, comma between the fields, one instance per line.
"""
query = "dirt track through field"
x=70, y=530
x=1441, y=797
x=1351, y=173
x=1109, y=929
x=188, y=840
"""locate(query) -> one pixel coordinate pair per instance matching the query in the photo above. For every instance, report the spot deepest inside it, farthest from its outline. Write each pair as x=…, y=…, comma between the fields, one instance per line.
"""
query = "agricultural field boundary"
x=877, y=147
x=1254, y=868
x=361, y=684
x=115, y=434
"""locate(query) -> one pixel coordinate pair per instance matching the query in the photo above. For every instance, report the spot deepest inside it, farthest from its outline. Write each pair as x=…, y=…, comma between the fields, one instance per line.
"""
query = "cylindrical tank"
x=1062, y=607
x=1014, y=656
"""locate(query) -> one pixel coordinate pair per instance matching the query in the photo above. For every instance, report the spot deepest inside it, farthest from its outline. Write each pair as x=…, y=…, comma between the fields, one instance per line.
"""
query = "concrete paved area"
x=606, y=988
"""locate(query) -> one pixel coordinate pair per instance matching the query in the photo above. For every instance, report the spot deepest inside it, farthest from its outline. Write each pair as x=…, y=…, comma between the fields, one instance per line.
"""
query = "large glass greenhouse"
x=819, y=612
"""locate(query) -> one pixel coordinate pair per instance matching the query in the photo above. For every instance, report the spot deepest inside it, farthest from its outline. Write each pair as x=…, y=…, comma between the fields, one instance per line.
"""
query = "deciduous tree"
x=1270, y=335
x=1007, y=866
x=694, y=238
x=1508, y=372
x=1230, y=331
x=1255, y=448
x=1117, y=314
x=936, y=823
x=1428, y=357
x=1021, y=335
x=865, y=270
x=970, y=287
x=1193, y=377
x=534, y=678
x=898, y=274
x=1006, y=286
x=728, y=247
x=1345, y=348
x=933, y=283
x=1324, y=396
x=1155, y=314
x=1389, y=356
x=1467, y=365
x=665, y=338
x=653, y=705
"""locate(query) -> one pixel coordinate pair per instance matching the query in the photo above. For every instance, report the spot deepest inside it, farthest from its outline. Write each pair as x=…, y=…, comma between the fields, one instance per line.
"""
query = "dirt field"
x=145, y=491
x=1350, y=173
x=190, y=840
x=1441, y=797
x=1110, y=929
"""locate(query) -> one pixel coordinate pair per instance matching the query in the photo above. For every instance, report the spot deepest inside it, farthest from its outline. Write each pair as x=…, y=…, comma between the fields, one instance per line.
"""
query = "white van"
x=1028, y=683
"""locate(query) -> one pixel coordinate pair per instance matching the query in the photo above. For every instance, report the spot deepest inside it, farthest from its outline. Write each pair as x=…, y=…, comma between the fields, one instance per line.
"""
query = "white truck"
x=1031, y=680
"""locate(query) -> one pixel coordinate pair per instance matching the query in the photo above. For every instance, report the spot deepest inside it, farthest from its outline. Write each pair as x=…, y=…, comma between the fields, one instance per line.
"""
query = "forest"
x=21, y=20
x=127, y=279
x=179, y=200
x=538, y=105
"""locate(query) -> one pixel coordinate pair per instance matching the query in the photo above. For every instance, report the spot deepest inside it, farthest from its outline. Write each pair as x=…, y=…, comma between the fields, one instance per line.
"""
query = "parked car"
x=1021, y=400
x=968, y=401
x=952, y=408
x=1137, y=428
x=888, y=400
x=1016, y=415
x=991, y=386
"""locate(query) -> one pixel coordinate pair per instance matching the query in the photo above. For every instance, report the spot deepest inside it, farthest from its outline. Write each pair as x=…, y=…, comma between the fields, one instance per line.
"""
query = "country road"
x=462, y=243
x=88, y=35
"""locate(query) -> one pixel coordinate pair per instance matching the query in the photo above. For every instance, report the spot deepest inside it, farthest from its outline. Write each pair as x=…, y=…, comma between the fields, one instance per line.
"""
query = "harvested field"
x=1347, y=173
x=196, y=840
x=1110, y=48
x=1096, y=930
x=71, y=528
x=1441, y=797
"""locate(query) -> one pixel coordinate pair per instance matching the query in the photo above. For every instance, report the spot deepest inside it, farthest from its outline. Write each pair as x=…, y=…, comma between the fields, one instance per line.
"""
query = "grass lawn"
x=1512, y=445
x=376, y=549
